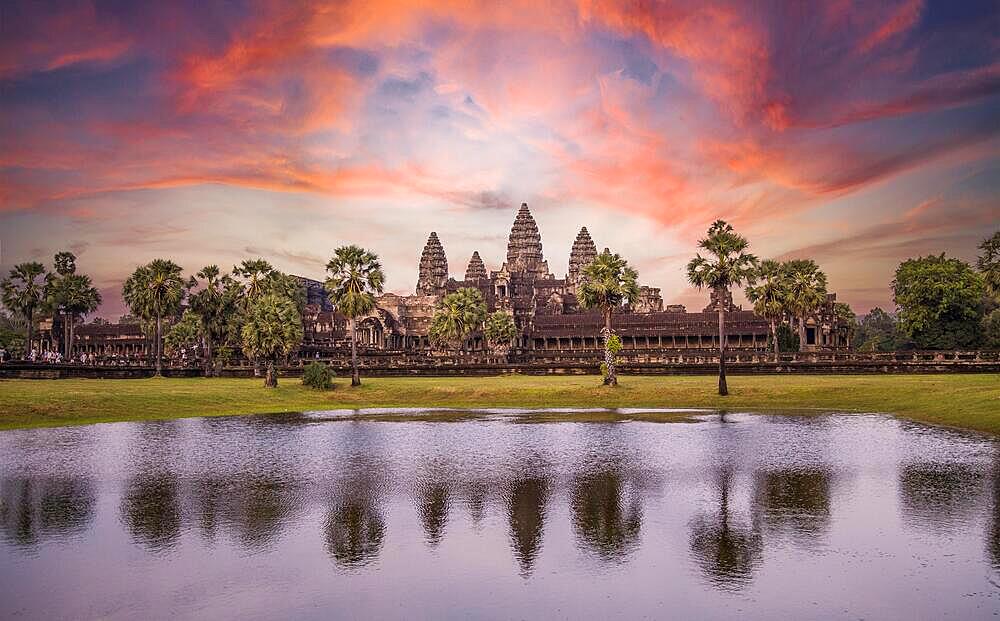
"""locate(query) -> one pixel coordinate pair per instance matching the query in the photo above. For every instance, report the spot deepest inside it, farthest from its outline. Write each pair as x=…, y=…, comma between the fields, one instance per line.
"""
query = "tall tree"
x=74, y=296
x=806, y=292
x=769, y=295
x=356, y=277
x=215, y=304
x=152, y=292
x=186, y=334
x=939, y=301
x=847, y=321
x=458, y=316
x=988, y=264
x=24, y=293
x=65, y=265
x=728, y=266
x=608, y=283
x=878, y=331
x=272, y=330
x=500, y=331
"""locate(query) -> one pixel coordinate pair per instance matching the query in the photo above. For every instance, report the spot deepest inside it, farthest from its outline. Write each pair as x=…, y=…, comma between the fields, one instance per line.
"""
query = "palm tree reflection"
x=433, y=507
x=151, y=511
x=355, y=527
x=35, y=509
x=795, y=501
x=526, y=512
x=727, y=552
x=606, y=522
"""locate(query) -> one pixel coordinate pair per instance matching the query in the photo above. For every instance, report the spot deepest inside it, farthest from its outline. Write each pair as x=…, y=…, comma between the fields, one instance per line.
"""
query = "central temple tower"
x=524, y=247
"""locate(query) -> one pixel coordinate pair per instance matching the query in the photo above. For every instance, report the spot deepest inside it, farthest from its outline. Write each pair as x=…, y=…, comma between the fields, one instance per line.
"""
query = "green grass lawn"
x=968, y=401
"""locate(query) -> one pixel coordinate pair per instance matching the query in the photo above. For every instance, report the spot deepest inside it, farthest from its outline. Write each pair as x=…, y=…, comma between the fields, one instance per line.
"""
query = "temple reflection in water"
x=719, y=502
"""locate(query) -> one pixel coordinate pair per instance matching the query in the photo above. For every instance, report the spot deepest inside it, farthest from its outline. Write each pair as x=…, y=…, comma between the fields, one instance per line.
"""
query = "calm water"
x=311, y=516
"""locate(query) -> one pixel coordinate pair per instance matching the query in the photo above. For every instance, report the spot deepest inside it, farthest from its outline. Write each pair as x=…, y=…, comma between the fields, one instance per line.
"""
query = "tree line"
x=942, y=303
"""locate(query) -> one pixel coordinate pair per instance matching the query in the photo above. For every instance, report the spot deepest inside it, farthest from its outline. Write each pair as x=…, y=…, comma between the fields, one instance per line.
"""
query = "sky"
x=856, y=134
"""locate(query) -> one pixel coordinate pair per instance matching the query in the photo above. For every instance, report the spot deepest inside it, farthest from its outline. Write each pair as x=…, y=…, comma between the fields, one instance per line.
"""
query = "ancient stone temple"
x=545, y=308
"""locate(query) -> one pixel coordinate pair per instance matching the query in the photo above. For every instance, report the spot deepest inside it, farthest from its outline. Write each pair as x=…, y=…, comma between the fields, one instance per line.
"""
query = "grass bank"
x=967, y=401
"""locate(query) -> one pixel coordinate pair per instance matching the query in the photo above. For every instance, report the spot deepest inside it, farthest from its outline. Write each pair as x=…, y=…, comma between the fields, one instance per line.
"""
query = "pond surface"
x=315, y=516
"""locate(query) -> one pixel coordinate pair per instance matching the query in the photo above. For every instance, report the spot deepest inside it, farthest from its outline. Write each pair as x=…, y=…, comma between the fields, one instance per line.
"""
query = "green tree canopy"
x=74, y=296
x=356, y=277
x=500, y=331
x=216, y=304
x=878, y=331
x=23, y=293
x=806, y=291
x=847, y=321
x=939, y=301
x=152, y=292
x=186, y=334
x=991, y=330
x=458, y=316
x=608, y=283
x=988, y=264
x=272, y=329
x=769, y=295
x=728, y=265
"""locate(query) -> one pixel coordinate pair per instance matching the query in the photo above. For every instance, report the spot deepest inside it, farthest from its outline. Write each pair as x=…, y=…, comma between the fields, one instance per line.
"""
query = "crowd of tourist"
x=83, y=358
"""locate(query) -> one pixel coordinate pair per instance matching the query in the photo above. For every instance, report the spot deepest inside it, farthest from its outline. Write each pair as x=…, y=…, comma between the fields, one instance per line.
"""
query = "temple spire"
x=524, y=247
x=476, y=269
x=583, y=253
x=433, y=267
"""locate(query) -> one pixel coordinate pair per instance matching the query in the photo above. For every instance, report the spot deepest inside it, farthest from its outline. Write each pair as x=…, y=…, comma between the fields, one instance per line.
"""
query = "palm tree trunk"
x=609, y=357
x=774, y=338
x=65, y=346
x=69, y=344
x=158, y=347
x=723, y=388
x=802, y=334
x=271, y=375
x=355, y=376
x=31, y=326
x=208, y=354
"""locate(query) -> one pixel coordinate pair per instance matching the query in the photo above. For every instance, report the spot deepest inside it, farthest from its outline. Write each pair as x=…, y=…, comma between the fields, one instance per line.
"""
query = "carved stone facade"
x=583, y=252
x=433, y=267
x=545, y=308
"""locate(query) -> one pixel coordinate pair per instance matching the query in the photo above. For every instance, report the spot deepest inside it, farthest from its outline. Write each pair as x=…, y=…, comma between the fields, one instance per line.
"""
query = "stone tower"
x=476, y=269
x=524, y=247
x=433, y=267
x=584, y=251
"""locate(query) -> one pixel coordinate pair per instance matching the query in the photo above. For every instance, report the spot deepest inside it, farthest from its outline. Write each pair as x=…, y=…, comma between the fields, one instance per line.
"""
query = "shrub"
x=317, y=376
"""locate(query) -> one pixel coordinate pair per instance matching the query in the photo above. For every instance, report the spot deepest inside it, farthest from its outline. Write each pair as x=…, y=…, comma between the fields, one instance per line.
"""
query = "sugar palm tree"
x=608, y=283
x=152, y=292
x=215, y=304
x=729, y=266
x=74, y=295
x=500, y=331
x=255, y=274
x=769, y=296
x=356, y=277
x=272, y=330
x=457, y=317
x=23, y=293
x=806, y=292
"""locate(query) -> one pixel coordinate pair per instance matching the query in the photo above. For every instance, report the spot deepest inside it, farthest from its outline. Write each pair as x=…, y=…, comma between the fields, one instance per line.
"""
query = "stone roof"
x=433, y=266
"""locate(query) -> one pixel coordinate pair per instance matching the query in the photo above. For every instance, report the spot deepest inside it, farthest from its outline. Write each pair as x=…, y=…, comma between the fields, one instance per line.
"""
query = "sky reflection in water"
x=313, y=515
